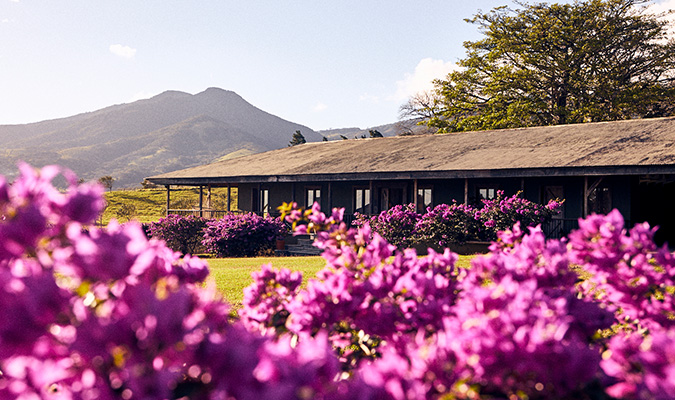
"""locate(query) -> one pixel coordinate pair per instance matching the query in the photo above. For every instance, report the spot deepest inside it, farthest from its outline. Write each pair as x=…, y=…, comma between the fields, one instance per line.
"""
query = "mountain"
x=409, y=127
x=170, y=131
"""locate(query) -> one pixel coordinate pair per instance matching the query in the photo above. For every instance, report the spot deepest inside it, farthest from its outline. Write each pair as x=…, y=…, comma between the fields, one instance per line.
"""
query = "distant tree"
x=343, y=137
x=297, y=139
x=374, y=133
x=325, y=139
x=107, y=182
x=549, y=64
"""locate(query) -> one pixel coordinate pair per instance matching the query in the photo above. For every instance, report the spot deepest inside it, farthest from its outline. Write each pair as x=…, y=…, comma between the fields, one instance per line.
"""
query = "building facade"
x=627, y=165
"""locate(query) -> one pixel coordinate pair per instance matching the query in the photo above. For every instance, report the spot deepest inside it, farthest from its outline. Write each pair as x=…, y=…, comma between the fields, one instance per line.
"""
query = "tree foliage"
x=107, y=182
x=297, y=139
x=550, y=64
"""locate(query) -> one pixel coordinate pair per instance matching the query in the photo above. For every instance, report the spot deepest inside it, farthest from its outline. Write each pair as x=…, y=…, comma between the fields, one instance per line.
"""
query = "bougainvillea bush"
x=180, y=233
x=396, y=225
x=515, y=325
x=445, y=224
x=242, y=235
x=107, y=314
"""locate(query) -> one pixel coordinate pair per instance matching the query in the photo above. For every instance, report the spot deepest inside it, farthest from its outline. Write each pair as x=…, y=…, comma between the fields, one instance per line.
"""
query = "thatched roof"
x=644, y=146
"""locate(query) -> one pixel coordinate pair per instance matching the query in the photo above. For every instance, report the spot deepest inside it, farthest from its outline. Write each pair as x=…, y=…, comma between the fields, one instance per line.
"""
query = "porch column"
x=330, y=196
x=229, y=201
x=208, y=197
x=168, y=198
x=415, y=194
x=293, y=192
x=466, y=191
x=585, y=203
x=201, y=201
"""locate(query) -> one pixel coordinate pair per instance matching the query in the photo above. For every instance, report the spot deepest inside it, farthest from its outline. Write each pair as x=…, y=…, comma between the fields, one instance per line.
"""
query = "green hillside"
x=147, y=205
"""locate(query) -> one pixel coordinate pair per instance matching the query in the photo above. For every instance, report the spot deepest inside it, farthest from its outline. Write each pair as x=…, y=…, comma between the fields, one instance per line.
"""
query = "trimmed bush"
x=397, y=224
x=181, y=233
x=242, y=235
x=457, y=223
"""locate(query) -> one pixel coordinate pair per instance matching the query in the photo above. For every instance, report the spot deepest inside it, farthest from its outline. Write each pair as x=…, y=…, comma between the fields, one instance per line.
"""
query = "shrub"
x=516, y=325
x=457, y=223
x=242, y=235
x=396, y=225
x=181, y=233
x=502, y=212
x=107, y=314
x=446, y=224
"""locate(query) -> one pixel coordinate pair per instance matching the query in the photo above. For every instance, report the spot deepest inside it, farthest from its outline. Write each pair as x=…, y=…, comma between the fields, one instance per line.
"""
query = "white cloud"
x=319, y=107
x=421, y=80
x=14, y=1
x=122, y=51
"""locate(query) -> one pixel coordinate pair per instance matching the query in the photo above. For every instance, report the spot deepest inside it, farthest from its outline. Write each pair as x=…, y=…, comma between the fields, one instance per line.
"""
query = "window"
x=313, y=196
x=423, y=199
x=260, y=201
x=265, y=201
x=362, y=200
x=487, y=193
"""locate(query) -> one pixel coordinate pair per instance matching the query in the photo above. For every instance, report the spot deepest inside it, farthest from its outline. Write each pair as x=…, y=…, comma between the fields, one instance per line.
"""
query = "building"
x=595, y=167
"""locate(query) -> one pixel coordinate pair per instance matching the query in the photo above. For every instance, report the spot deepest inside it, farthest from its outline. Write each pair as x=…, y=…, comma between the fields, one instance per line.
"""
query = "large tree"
x=549, y=64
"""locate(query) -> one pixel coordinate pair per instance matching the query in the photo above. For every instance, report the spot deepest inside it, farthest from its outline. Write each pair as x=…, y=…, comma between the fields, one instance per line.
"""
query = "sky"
x=326, y=65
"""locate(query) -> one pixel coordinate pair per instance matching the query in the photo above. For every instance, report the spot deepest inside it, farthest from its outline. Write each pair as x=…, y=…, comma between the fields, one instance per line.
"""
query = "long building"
x=595, y=167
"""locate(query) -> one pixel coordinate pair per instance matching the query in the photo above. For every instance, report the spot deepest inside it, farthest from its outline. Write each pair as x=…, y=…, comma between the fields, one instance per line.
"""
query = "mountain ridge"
x=129, y=141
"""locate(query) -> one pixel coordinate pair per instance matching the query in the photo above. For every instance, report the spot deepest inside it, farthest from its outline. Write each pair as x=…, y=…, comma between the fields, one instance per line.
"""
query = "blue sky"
x=322, y=64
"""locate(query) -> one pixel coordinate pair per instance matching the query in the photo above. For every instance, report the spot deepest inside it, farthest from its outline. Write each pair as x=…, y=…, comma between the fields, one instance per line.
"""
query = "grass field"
x=148, y=205
x=232, y=275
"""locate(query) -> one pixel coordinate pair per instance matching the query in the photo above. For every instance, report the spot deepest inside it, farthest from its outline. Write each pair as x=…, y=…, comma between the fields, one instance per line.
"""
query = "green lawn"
x=148, y=205
x=232, y=275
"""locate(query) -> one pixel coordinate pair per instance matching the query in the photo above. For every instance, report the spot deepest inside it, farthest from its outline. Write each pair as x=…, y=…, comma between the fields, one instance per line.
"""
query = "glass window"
x=313, y=196
x=487, y=193
x=423, y=199
x=265, y=201
x=362, y=200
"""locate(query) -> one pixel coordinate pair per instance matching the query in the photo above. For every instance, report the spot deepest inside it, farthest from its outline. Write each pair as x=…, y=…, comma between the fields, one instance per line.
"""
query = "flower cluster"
x=106, y=313
x=445, y=224
x=514, y=325
x=629, y=275
x=396, y=225
x=457, y=223
x=242, y=235
x=502, y=212
x=180, y=233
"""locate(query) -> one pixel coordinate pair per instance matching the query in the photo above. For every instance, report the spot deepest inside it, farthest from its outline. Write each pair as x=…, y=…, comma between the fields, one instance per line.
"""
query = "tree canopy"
x=549, y=64
x=297, y=139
